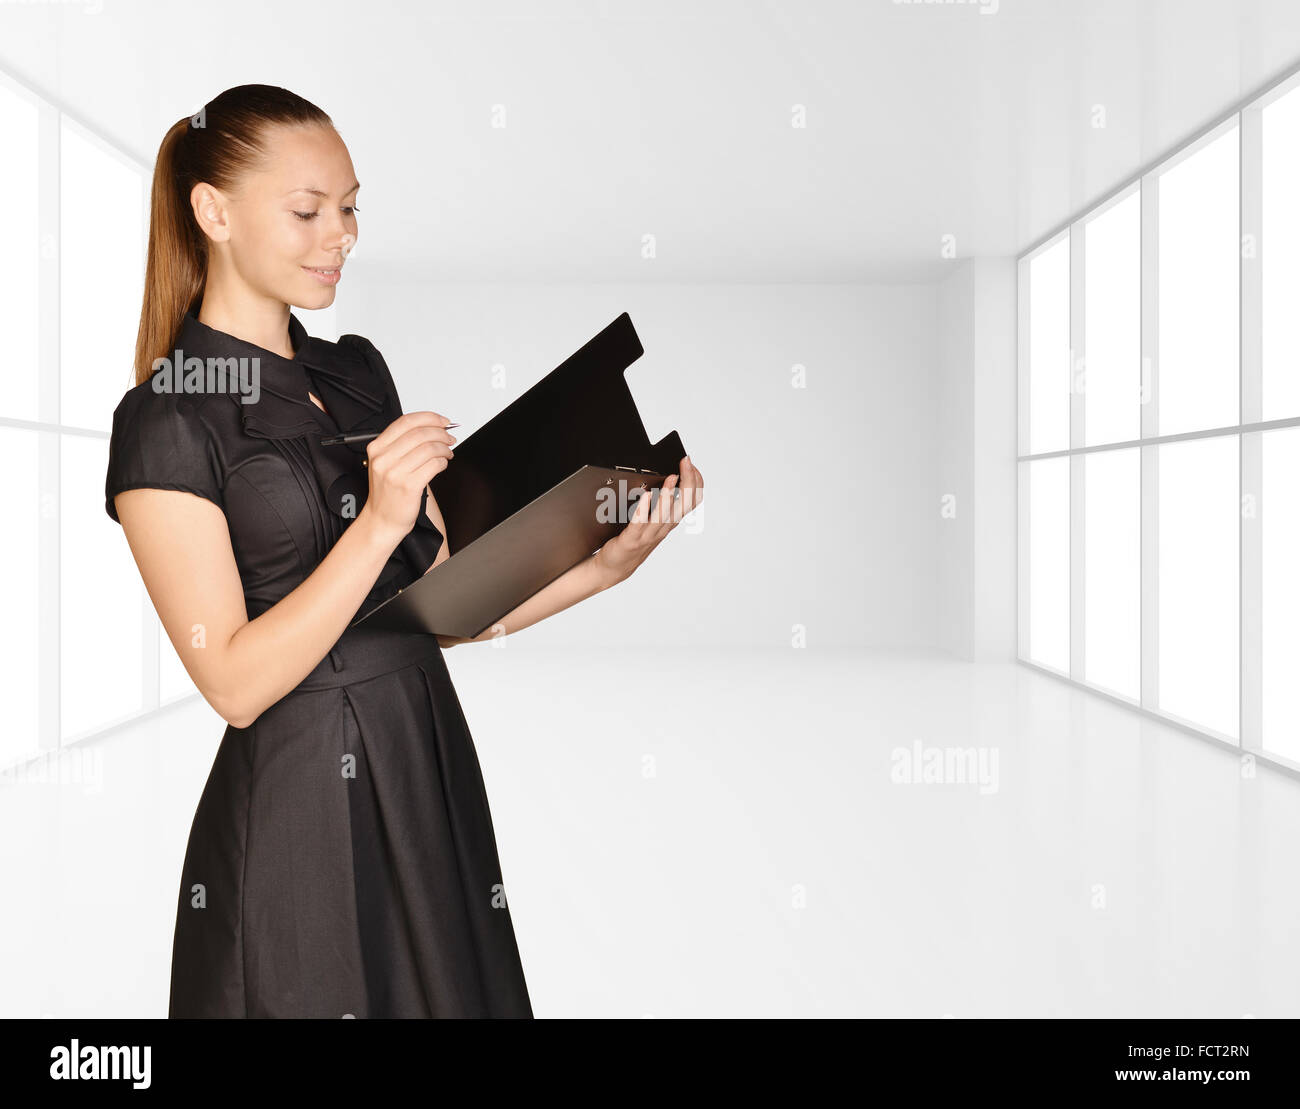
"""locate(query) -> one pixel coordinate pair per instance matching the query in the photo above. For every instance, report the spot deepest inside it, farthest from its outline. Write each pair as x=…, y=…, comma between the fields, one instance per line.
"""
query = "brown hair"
x=224, y=140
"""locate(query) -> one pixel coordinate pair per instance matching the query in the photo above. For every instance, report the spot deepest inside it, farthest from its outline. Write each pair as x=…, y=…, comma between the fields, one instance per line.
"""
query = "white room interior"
x=709, y=785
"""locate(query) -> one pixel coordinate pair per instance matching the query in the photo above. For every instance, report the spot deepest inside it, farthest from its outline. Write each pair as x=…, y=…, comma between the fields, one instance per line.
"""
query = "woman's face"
x=289, y=228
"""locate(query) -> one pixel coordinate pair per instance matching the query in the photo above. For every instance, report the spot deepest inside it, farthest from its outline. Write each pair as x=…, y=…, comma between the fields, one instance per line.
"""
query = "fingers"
x=424, y=433
x=641, y=513
x=419, y=460
x=692, y=486
x=678, y=496
x=393, y=459
x=664, y=510
x=401, y=426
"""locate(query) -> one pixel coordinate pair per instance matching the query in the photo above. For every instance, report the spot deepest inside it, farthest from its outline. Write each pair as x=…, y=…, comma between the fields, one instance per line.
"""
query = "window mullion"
x=48, y=443
x=1251, y=691
x=1022, y=468
x=1149, y=396
x=1078, y=385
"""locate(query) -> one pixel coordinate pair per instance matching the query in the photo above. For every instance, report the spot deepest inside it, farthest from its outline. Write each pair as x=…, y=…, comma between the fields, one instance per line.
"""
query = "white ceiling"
x=672, y=118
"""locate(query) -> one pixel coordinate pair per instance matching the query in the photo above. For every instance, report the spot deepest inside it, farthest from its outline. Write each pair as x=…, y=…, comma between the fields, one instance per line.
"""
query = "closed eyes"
x=305, y=216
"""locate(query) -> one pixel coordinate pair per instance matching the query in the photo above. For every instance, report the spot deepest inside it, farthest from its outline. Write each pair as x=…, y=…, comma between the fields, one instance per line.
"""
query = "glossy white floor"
x=737, y=834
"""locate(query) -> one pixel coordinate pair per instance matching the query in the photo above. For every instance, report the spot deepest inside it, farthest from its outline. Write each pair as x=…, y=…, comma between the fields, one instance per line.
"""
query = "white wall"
x=976, y=549
x=955, y=507
x=820, y=501
x=994, y=460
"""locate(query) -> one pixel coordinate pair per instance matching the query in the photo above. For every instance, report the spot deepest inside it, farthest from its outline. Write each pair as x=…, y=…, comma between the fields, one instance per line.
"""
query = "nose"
x=340, y=240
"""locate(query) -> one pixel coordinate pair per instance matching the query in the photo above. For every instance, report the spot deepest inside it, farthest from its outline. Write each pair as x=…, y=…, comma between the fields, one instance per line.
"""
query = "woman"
x=342, y=859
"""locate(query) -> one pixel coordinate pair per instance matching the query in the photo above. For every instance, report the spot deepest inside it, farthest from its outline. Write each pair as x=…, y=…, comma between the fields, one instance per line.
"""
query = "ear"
x=209, y=207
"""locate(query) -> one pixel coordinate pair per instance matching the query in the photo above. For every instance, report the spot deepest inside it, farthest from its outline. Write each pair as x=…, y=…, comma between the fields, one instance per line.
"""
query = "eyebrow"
x=319, y=192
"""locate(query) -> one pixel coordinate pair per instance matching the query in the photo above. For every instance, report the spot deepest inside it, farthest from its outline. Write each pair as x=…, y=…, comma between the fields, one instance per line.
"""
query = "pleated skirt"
x=342, y=860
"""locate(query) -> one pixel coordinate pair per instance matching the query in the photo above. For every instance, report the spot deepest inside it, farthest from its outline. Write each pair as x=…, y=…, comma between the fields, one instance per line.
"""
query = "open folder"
x=535, y=490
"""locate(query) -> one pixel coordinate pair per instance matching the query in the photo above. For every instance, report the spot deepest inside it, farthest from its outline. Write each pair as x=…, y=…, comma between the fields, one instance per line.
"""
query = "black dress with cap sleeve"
x=342, y=859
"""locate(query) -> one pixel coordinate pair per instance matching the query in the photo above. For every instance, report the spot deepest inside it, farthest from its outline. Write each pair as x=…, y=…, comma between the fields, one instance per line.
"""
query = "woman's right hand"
x=402, y=460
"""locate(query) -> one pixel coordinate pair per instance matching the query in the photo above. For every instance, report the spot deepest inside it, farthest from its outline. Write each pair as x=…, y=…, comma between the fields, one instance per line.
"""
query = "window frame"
x=1246, y=117
x=51, y=432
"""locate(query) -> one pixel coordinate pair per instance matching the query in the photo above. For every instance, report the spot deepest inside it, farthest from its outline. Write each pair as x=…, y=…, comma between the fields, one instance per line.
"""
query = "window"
x=1049, y=562
x=19, y=279
x=30, y=534
x=103, y=617
x=103, y=231
x=1280, y=588
x=1280, y=266
x=21, y=653
x=1113, y=571
x=1049, y=352
x=1198, y=586
x=82, y=649
x=101, y=612
x=1199, y=262
x=1112, y=380
x=1159, y=502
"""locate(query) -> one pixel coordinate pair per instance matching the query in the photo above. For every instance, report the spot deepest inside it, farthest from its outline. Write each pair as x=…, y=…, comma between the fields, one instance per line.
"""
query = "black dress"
x=342, y=861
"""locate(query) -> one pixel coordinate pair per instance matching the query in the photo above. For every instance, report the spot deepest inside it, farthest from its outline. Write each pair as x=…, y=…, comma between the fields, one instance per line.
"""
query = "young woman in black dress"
x=342, y=860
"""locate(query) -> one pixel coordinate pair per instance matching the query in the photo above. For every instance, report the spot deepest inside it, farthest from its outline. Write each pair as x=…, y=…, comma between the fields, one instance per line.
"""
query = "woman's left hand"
x=646, y=530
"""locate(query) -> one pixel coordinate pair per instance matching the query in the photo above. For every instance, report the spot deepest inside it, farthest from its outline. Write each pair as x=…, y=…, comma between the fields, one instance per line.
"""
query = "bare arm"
x=181, y=543
x=613, y=563
x=434, y=513
x=576, y=584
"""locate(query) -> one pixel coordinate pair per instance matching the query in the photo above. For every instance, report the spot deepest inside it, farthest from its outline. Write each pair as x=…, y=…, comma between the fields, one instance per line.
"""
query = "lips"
x=326, y=275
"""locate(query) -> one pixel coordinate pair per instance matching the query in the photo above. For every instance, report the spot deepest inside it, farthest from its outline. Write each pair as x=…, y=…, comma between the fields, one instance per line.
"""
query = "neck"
x=262, y=321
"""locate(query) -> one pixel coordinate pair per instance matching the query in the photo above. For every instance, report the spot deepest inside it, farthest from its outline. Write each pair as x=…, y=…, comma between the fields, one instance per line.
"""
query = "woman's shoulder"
x=155, y=404
x=160, y=397
x=161, y=439
x=360, y=345
x=357, y=342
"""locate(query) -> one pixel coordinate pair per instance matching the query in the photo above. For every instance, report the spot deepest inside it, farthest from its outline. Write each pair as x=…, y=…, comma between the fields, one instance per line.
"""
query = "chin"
x=316, y=299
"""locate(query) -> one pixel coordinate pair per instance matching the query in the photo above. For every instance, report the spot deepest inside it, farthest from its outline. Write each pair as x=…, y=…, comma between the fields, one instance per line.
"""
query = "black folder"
x=535, y=490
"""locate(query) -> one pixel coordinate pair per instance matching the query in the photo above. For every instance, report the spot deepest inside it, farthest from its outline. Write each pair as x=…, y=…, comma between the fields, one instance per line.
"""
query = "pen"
x=353, y=437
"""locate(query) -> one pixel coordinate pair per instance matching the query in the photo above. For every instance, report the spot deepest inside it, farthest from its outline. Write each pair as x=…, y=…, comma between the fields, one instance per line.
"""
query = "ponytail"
x=225, y=140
